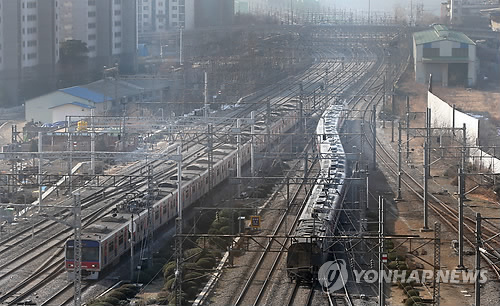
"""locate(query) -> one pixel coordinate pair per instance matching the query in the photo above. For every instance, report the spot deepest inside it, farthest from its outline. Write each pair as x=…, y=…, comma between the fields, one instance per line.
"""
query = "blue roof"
x=75, y=103
x=84, y=93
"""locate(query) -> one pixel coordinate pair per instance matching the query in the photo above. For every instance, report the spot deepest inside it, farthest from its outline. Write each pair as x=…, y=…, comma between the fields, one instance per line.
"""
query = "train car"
x=319, y=217
x=109, y=237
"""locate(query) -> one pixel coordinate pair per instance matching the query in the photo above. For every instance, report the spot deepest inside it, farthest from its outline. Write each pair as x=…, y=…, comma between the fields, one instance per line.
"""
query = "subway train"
x=107, y=239
x=321, y=213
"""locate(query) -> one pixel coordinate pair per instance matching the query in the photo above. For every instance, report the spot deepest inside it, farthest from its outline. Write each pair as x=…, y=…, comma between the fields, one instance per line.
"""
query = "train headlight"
x=71, y=265
x=93, y=266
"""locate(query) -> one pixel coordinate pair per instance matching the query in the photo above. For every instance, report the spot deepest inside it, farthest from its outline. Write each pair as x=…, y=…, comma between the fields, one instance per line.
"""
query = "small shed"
x=450, y=57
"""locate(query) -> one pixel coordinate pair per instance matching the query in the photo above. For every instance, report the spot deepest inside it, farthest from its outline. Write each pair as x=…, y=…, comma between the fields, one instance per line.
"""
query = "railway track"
x=263, y=276
x=93, y=199
x=447, y=214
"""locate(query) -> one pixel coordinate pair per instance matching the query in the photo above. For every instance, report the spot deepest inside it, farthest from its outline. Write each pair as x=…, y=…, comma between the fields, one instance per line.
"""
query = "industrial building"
x=450, y=57
x=106, y=97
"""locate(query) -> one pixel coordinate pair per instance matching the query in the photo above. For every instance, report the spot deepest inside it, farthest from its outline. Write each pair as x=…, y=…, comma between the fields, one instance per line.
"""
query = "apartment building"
x=29, y=42
x=108, y=27
x=181, y=14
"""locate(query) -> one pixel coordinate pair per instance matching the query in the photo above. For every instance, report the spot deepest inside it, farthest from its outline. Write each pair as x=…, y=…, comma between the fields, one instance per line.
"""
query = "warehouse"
x=450, y=57
x=106, y=97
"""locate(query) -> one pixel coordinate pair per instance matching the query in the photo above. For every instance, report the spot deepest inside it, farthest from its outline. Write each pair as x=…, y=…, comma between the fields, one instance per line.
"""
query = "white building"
x=41, y=108
x=449, y=56
x=106, y=97
x=73, y=109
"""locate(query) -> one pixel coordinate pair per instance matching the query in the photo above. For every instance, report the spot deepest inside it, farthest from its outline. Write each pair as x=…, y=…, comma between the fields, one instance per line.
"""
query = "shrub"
x=101, y=304
x=411, y=301
x=206, y=262
x=388, y=244
x=169, y=269
x=412, y=292
x=129, y=293
x=402, y=265
x=117, y=294
x=131, y=287
x=193, y=254
x=109, y=299
x=408, y=288
x=225, y=230
x=194, y=277
x=393, y=265
x=169, y=284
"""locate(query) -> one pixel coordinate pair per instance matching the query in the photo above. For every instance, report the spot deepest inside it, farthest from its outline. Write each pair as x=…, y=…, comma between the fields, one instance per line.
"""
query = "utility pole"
x=381, y=296
x=149, y=203
x=407, y=127
x=40, y=162
x=210, y=155
x=383, y=103
x=427, y=151
x=399, y=197
x=70, y=160
x=178, y=231
x=238, y=148
x=77, y=248
x=252, y=144
x=92, y=142
x=477, y=284
x=461, y=195
x=436, y=292
x=180, y=47
x=205, y=109
x=426, y=176
x=461, y=198
x=374, y=166
x=132, y=265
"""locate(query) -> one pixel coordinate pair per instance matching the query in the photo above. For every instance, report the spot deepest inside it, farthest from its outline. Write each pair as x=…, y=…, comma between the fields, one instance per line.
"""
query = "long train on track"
x=320, y=215
x=106, y=240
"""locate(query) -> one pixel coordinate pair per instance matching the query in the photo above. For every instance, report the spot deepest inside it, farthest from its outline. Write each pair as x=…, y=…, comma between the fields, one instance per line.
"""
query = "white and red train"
x=106, y=240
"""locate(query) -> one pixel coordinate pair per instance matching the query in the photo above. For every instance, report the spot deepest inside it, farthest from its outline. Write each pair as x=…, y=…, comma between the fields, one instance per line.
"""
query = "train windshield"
x=90, y=250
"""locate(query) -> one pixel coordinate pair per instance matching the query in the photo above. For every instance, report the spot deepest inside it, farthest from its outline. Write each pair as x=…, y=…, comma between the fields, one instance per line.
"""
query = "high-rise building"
x=152, y=15
x=181, y=14
x=108, y=27
x=214, y=13
x=29, y=42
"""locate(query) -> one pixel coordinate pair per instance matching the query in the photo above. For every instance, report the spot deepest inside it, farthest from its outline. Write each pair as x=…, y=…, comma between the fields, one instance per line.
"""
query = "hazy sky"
x=431, y=6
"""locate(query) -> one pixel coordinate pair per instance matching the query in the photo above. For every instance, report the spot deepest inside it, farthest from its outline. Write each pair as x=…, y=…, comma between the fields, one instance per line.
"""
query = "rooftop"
x=83, y=105
x=85, y=93
x=441, y=33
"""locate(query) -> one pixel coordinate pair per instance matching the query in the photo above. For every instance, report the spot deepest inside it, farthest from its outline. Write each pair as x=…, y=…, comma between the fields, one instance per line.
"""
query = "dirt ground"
x=406, y=217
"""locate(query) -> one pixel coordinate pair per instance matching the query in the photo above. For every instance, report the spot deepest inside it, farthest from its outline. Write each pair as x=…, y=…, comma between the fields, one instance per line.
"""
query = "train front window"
x=90, y=254
x=70, y=253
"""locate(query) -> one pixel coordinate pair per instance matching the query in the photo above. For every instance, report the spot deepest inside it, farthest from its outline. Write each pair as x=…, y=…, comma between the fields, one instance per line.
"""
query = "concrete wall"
x=60, y=113
x=442, y=117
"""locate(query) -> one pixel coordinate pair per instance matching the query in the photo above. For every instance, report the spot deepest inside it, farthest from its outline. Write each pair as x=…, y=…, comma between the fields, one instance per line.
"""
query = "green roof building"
x=450, y=57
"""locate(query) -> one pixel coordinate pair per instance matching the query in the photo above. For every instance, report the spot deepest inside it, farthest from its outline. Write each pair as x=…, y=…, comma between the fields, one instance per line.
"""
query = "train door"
x=105, y=246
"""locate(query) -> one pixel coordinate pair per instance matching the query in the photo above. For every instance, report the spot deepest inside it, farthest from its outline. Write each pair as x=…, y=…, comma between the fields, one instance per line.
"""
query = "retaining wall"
x=442, y=117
